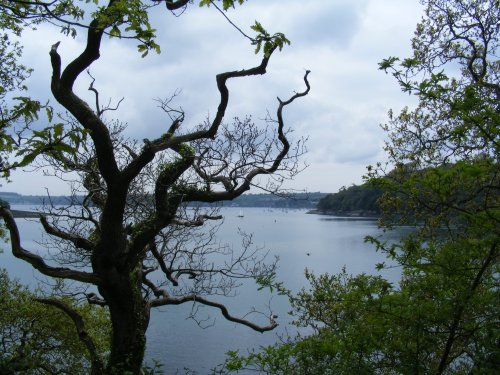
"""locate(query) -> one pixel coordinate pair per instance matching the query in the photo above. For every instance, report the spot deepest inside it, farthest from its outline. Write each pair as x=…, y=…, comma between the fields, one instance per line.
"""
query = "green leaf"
x=115, y=32
x=28, y=159
x=61, y=146
x=58, y=130
x=387, y=63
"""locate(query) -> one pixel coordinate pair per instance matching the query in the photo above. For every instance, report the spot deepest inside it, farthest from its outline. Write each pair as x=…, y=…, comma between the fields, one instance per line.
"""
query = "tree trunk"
x=129, y=316
x=128, y=339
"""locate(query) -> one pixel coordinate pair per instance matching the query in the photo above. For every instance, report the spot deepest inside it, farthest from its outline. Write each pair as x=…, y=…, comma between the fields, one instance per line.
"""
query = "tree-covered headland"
x=356, y=200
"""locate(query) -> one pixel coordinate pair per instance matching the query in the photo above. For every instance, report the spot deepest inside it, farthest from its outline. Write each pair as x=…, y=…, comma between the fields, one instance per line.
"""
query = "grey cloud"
x=334, y=24
x=339, y=40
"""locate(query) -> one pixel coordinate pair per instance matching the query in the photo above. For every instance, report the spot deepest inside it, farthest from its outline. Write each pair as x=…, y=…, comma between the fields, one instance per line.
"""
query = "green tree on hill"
x=354, y=198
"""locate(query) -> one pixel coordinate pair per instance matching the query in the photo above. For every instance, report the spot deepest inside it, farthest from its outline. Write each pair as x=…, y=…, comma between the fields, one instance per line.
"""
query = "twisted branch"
x=37, y=261
x=97, y=364
x=223, y=309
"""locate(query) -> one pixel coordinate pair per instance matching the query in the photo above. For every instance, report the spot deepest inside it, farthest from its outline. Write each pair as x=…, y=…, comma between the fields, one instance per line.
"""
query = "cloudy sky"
x=340, y=41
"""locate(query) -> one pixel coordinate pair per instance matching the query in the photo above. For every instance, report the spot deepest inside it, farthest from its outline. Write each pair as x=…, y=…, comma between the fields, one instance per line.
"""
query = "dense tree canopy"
x=443, y=315
x=356, y=199
x=133, y=238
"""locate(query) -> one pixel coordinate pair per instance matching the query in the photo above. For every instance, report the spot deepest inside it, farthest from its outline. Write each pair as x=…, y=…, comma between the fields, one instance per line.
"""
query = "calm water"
x=178, y=342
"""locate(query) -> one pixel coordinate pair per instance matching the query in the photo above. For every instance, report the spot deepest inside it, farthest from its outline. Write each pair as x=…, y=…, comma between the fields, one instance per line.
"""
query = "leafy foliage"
x=365, y=324
x=37, y=339
x=18, y=111
x=270, y=42
x=226, y=4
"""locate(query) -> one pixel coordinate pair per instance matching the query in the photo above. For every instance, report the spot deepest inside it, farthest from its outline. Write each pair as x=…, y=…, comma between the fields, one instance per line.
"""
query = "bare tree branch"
x=62, y=90
x=96, y=361
x=201, y=196
x=79, y=242
x=100, y=110
x=36, y=261
x=223, y=309
x=163, y=143
x=94, y=299
x=163, y=266
x=197, y=222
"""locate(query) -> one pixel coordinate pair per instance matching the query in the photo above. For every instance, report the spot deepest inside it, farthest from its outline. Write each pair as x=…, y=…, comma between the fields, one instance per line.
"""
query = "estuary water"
x=300, y=240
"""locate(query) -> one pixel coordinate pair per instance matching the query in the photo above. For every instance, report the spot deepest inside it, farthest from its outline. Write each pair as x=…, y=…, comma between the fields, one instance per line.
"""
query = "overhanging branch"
x=97, y=365
x=38, y=262
x=197, y=222
x=223, y=309
x=79, y=242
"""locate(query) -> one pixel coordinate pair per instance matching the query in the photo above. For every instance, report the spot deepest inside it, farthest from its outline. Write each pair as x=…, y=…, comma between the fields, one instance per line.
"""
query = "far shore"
x=349, y=214
x=25, y=214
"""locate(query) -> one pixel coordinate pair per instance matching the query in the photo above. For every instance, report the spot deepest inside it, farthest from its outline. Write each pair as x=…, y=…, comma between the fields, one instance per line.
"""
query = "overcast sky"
x=340, y=41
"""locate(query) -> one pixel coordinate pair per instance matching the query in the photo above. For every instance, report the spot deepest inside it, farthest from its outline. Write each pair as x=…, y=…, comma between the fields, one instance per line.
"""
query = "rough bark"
x=130, y=318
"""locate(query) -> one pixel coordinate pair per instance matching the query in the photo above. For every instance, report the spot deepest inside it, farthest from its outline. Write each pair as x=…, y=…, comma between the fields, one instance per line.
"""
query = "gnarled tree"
x=131, y=236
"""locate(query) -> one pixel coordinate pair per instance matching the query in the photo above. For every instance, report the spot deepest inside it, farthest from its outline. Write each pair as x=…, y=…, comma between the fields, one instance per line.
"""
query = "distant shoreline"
x=297, y=200
x=20, y=214
x=25, y=214
x=351, y=214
